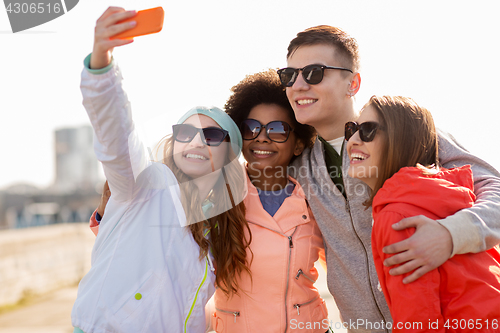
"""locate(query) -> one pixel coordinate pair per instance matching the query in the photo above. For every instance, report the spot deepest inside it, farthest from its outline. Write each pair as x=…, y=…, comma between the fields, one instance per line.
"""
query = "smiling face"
x=366, y=157
x=193, y=158
x=262, y=153
x=327, y=105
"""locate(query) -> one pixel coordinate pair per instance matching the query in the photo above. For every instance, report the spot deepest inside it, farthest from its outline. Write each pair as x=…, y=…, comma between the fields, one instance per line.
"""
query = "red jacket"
x=461, y=295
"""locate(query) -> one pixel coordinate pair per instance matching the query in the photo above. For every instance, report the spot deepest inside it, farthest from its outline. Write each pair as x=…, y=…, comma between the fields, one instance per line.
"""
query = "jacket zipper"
x=297, y=306
x=367, y=263
x=348, y=208
x=290, y=246
x=234, y=313
x=196, y=296
x=299, y=272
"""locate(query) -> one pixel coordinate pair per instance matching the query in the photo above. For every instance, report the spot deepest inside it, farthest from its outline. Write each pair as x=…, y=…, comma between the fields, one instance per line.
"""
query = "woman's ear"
x=299, y=147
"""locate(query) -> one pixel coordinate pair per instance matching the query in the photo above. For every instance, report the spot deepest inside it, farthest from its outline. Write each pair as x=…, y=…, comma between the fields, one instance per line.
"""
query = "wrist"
x=99, y=60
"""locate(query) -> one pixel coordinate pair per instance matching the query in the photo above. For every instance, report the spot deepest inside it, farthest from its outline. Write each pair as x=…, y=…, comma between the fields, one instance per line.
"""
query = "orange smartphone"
x=149, y=21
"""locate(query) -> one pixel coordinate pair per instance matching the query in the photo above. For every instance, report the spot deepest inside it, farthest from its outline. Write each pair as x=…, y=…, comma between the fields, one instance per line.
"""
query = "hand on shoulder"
x=428, y=248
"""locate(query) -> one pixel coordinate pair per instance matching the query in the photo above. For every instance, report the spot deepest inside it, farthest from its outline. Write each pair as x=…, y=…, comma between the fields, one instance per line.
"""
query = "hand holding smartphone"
x=149, y=21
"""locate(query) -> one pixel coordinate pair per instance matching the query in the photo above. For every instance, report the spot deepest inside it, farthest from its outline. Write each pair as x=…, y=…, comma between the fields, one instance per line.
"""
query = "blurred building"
x=76, y=164
x=72, y=197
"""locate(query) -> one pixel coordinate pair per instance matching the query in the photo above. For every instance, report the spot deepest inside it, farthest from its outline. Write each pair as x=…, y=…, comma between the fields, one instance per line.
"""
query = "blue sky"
x=444, y=54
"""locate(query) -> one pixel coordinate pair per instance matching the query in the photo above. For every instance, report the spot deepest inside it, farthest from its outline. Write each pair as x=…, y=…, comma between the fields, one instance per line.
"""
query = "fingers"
x=102, y=204
x=106, y=192
x=401, y=246
x=110, y=11
x=428, y=248
x=409, y=222
x=418, y=273
x=113, y=15
x=415, y=266
x=399, y=258
x=111, y=26
x=407, y=267
x=106, y=26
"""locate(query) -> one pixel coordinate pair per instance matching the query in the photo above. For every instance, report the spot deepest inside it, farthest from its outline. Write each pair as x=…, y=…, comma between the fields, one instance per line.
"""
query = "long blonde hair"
x=227, y=239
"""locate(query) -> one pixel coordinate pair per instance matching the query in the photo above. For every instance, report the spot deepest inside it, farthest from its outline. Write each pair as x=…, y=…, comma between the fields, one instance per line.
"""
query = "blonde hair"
x=227, y=230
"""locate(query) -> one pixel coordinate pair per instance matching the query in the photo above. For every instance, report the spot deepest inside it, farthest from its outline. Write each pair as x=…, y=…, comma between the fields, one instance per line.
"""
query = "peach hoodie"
x=280, y=296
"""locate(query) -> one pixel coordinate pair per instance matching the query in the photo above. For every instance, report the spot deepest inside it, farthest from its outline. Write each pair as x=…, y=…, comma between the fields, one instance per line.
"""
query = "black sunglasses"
x=210, y=136
x=277, y=131
x=312, y=74
x=367, y=130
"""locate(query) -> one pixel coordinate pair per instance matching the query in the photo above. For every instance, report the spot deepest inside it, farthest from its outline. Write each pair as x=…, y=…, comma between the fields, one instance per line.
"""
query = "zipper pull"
x=298, y=274
x=210, y=262
x=236, y=314
x=297, y=306
x=291, y=243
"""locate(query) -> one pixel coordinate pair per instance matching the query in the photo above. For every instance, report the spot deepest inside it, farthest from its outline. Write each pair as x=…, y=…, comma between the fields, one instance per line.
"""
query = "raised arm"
x=115, y=143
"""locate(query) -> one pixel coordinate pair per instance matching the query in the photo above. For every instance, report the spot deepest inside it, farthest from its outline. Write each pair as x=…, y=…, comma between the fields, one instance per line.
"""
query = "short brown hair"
x=410, y=136
x=265, y=88
x=345, y=45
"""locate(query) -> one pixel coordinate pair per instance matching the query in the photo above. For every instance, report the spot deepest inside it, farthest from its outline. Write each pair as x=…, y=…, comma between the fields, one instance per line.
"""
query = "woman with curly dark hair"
x=279, y=295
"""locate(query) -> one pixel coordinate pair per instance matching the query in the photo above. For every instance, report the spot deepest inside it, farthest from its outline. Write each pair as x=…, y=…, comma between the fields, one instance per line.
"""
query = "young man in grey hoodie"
x=322, y=96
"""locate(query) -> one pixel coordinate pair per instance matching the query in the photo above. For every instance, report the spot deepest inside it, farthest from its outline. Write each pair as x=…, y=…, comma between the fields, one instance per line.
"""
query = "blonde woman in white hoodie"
x=168, y=223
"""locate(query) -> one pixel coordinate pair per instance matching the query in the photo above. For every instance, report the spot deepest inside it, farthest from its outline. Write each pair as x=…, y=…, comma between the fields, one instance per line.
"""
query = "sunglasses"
x=367, y=130
x=210, y=136
x=312, y=74
x=277, y=131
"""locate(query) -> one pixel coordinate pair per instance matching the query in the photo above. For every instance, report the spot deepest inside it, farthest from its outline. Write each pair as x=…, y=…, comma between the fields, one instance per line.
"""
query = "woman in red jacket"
x=393, y=148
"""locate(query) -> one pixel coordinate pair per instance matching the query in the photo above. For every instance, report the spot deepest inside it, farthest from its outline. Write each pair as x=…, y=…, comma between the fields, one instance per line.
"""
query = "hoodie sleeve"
x=116, y=143
x=416, y=304
x=477, y=228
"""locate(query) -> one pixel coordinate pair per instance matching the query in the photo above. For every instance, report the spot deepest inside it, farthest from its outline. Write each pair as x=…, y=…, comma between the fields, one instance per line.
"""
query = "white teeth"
x=262, y=152
x=305, y=101
x=358, y=157
x=196, y=156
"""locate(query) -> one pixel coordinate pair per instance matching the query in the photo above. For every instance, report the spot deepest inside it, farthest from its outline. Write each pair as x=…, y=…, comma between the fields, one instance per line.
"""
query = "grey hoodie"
x=346, y=227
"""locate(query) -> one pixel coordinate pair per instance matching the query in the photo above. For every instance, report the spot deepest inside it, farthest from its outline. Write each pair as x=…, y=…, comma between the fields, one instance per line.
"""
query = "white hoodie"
x=146, y=274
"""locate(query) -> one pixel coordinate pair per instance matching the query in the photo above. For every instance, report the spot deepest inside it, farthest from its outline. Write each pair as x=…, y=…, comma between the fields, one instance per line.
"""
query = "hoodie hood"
x=442, y=194
x=224, y=121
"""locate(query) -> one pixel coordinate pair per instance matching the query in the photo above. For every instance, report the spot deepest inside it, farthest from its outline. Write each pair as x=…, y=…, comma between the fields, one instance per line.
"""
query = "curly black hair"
x=264, y=88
